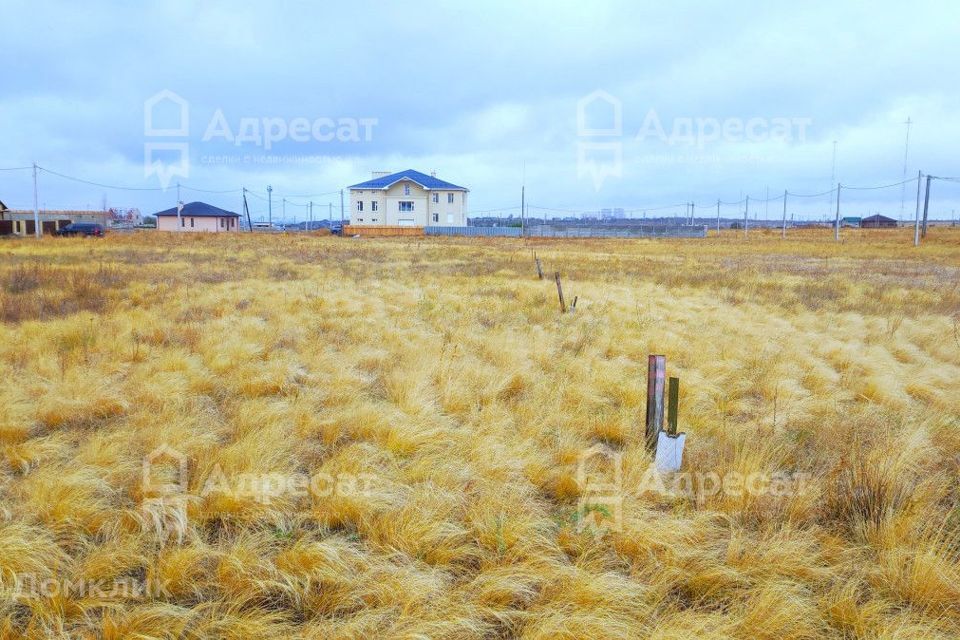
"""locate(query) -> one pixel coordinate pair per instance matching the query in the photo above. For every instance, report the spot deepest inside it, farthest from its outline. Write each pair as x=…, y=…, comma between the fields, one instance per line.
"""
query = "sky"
x=632, y=105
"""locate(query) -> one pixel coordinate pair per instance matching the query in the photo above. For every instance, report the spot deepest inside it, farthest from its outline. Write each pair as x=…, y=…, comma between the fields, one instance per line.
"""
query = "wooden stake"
x=673, y=405
x=539, y=268
x=656, y=372
x=563, y=305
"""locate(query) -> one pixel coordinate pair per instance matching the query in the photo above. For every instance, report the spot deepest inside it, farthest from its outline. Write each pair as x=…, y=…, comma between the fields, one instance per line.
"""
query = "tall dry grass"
x=432, y=406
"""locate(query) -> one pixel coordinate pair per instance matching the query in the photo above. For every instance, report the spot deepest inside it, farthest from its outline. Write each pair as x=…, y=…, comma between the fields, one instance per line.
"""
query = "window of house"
x=436, y=197
x=183, y=222
x=406, y=205
x=406, y=189
x=373, y=205
x=374, y=219
x=221, y=223
x=450, y=198
x=359, y=205
x=436, y=217
x=191, y=222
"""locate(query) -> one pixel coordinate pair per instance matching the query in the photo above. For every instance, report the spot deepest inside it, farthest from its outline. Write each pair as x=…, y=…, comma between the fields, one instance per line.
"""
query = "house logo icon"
x=599, y=108
x=166, y=158
x=165, y=472
x=150, y=109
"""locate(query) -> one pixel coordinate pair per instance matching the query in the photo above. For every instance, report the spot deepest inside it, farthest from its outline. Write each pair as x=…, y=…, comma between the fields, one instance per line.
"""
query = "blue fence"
x=577, y=231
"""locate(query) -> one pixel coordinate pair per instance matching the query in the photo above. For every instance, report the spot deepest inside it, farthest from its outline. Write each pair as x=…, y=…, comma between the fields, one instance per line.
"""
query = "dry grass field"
x=250, y=436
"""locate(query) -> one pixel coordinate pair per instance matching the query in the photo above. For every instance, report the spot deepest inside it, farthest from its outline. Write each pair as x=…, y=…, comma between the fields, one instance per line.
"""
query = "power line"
x=98, y=184
x=812, y=195
x=183, y=186
x=14, y=168
x=885, y=186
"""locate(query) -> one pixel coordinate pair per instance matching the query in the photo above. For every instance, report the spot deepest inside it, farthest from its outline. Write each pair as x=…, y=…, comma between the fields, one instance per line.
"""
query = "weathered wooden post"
x=563, y=305
x=539, y=267
x=673, y=405
x=656, y=373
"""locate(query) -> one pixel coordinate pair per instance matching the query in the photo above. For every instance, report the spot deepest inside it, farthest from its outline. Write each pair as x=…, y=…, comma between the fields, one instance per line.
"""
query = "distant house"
x=878, y=222
x=22, y=221
x=408, y=198
x=198, y=216
x=850, y=221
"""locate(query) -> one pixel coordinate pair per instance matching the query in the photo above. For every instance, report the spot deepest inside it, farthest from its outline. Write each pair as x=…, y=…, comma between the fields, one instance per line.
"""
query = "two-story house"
x=408, y=198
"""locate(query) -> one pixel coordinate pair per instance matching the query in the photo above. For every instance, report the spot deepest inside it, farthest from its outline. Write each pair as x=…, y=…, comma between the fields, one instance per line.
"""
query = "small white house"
x=408, y=198
x=198, y=216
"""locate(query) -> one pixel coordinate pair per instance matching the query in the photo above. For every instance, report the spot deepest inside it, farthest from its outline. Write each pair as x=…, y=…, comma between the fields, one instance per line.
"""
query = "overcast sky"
x=485, y=93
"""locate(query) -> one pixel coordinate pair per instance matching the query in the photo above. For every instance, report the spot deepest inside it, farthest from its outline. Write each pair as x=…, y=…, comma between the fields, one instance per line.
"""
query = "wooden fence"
x=381, y=231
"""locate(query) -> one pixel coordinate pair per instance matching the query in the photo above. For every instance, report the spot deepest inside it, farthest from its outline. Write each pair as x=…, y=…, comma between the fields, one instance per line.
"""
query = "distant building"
x=408, y=198
x=198, y=216
x=21, y=222
x=850, y=221
x=878, y=222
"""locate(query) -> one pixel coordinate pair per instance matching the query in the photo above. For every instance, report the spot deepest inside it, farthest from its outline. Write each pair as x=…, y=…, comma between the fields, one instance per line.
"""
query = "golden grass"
x=382, y=437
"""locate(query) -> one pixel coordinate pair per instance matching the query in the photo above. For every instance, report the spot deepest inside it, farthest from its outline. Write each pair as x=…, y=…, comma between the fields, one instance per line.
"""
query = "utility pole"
x=179, y=216
x=746, y=217
x=270, y=206
x=916, y=223
x=784, y=232
x=310, y=222
x=329, y=212
x=833, y=164
x=692, y=205
x=37, y=230
x=718, y=216
x=906, y=149
x=341, y=209
x=523, y=204
x=926, y=207
x=246, y=210
x=766, y=206
x=836, y=220
x=178, y=191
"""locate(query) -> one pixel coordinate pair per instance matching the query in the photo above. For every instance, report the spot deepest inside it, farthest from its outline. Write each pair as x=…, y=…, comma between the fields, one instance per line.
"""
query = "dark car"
x=81, y=229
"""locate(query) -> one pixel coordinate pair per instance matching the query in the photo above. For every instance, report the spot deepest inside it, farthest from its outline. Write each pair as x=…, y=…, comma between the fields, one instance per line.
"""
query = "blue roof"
x=422, y=179
x=199, y=210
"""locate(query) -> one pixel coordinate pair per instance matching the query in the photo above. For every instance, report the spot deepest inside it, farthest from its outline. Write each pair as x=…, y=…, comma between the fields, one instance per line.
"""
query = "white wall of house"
x=198, y=223
x=392, y=206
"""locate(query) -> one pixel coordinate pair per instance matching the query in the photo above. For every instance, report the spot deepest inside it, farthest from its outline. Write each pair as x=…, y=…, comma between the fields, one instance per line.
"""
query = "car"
x=82, y=229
